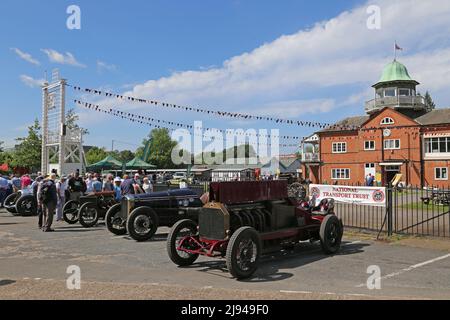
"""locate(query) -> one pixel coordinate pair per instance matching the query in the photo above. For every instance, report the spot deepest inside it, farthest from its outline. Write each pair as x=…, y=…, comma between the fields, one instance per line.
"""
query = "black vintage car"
x=21, y=203
x=88, y=209
x=141, y=215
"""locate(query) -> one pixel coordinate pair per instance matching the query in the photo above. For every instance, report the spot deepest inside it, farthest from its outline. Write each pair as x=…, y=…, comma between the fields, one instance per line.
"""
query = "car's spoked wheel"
x=88, y=215
x=179, y=232
x=114, y=222
x=70, y=212
x=10, y=203
x=243, y=252
x=26, y=205
x=142, y=224
x=331, y=231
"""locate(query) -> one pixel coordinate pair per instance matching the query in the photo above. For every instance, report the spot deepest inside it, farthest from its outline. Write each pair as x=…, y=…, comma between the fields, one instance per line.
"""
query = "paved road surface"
x=33, y=264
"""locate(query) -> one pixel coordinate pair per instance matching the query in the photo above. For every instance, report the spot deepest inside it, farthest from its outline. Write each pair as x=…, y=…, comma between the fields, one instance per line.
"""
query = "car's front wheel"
x=10, y=203
x=331, y=231
x=181, y=232
x=88, y=215
x=243, y=252
x=114, y=222
x=142, y=224
x=26, y=205
x=70, y=212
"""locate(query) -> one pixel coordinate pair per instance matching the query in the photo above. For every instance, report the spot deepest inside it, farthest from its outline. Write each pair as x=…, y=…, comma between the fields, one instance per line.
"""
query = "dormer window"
x=387, y=120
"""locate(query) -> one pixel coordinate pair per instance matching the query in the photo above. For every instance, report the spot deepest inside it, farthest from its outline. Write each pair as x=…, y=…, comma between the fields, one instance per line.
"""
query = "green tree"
x=72, y=122
x=95, y=154
x=27, y=153
x=161, y=146
x=429, y=101
x=5, y=156
x=125, y=156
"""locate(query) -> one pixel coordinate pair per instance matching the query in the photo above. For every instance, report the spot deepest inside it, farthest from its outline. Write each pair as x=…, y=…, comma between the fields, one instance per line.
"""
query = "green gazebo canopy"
x=138, y=163
x=109, y=163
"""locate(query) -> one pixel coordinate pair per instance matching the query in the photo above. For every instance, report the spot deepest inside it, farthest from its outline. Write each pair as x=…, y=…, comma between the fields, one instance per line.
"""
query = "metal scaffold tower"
x=62, y=148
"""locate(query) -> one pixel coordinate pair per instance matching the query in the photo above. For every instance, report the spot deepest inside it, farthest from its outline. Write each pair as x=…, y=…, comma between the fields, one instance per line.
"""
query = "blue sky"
x=302, y=60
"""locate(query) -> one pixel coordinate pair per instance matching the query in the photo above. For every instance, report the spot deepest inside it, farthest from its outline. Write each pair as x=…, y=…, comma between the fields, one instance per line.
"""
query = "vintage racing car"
x=89, y=209
x=245, y=219
x=21, y=203
x=141, y=215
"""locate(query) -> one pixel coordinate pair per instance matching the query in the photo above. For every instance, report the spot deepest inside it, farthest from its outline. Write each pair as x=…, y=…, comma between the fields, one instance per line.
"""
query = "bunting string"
x=227, y=114
x=170, y=125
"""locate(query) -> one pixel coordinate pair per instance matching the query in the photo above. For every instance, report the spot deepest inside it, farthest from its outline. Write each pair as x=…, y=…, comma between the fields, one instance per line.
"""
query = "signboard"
x=348, y=194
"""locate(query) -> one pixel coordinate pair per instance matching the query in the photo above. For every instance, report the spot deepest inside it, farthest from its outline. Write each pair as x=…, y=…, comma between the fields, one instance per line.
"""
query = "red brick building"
x=399, y=134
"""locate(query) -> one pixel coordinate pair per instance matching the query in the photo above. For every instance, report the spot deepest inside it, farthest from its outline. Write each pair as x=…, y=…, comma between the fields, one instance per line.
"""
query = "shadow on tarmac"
x=6, y=282
x=270, y=264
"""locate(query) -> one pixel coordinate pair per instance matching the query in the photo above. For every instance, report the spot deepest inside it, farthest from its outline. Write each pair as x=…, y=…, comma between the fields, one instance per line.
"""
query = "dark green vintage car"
x=141, y=215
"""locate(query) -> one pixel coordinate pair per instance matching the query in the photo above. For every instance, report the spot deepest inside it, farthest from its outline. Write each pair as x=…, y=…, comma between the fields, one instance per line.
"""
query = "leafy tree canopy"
x=95, y=154
x=161, y=146
x=27, y=153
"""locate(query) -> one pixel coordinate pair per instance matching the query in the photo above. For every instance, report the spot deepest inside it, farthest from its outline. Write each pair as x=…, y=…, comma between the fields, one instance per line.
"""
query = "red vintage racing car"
x=243, y=220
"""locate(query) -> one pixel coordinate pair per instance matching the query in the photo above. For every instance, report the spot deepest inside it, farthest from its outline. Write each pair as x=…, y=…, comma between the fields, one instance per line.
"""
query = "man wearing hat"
x=48, y=197
x=117, y=189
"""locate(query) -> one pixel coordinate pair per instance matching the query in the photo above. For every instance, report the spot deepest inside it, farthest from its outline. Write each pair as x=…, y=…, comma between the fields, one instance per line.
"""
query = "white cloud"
x=31, y=82
x=296, y=108
x=26, y=56
x=340, y=55
x=103, y=66
x=61, y=58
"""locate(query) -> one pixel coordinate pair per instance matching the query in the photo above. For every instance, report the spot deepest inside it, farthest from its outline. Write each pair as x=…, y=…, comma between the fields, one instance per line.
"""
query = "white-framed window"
x=387, y=120
x=339, y=147
x=441, y=173
x=370, y=165
x=437, y=145
x=340, y=174
x=403, y=92
x=392, y=144
x=369, y=145
x=390, y=92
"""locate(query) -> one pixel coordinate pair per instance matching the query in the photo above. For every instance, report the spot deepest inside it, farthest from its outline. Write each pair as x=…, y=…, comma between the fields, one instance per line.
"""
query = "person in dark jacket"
x=49, y=198
x=77, y=186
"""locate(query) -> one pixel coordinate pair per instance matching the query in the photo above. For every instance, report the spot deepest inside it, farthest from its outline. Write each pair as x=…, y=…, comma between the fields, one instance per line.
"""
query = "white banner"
x=360, y=195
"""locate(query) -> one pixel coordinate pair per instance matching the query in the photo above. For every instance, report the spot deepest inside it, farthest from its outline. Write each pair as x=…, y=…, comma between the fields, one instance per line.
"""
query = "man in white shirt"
x=89, y=182
x=61, y=188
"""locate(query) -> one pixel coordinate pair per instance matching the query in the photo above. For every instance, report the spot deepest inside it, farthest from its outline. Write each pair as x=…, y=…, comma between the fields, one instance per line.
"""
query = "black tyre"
x=114, y=222
x=142, y=224
x=26, y=206
x=179, y=231
x=10, y=203
x=243, y=253
x=88, y=215
x=70, y=212
x=331, y=231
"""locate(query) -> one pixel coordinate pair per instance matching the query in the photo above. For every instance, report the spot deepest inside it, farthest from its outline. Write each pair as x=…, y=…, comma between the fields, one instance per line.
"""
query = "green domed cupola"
x=395, y=71
x=396, y=89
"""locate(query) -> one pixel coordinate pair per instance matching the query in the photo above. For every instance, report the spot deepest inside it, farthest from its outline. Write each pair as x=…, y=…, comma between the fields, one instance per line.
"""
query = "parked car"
x=21, y=203
x=89, y=209
x=141, y=215
x=243, y=220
